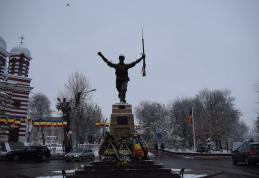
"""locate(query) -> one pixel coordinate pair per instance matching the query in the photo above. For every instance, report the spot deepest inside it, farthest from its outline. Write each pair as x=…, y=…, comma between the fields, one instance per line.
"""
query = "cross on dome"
x=22, y=38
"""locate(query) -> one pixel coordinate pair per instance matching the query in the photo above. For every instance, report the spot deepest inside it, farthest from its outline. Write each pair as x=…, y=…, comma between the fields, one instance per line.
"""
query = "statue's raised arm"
x=109, y=63
x=137, y=61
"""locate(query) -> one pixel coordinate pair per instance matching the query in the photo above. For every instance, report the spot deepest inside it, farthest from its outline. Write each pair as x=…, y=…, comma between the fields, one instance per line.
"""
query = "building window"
x=17, y=104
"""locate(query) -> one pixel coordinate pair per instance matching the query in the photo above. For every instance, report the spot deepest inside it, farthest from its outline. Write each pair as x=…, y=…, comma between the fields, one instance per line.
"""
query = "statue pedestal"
x=122, y=121
x=119, y=157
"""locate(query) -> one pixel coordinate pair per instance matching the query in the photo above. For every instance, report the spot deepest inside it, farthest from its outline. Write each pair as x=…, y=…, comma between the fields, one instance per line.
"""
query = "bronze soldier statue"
x=121, y=71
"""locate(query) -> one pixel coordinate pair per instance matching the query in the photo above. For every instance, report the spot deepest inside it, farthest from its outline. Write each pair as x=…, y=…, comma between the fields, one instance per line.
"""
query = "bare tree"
x=150, y=115
x=257, y=125
x=39, y=108
x=217, y=117
x=83, y=111
x=214, y=113
x=76, y=88
x=257, y=119
x=92, y=113
x=179, y=111
x=149, y=112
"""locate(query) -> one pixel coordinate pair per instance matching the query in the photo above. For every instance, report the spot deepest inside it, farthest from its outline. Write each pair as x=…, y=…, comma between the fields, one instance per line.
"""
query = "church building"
x=14, y=91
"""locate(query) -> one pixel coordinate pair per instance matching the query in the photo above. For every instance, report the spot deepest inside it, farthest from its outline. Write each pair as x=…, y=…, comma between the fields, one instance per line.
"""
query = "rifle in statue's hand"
x=144, y=58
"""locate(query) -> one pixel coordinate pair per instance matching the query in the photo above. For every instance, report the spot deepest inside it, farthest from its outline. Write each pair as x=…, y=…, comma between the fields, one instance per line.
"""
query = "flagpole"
x=193, y=132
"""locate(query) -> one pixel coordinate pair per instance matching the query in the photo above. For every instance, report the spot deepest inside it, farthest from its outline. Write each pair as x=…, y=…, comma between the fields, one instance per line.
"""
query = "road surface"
x=194, y=167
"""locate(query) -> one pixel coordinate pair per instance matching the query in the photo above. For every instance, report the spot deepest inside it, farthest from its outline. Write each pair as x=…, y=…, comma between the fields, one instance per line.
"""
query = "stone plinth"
x=134, y=169
x=122, y=121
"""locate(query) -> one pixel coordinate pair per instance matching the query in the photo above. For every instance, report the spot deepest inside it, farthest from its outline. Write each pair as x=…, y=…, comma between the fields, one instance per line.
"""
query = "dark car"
x=247, y=153
x=80, y=154
x=29, y=153
x=201, y=148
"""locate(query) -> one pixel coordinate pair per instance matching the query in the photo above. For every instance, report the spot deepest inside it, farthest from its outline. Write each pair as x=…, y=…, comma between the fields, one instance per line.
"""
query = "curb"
x=226, y=155
x=52, y=157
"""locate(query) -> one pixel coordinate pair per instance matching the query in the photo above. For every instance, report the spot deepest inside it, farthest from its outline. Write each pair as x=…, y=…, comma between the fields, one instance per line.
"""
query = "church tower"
x=15, y=82
x=19, y=61
x=3, y=57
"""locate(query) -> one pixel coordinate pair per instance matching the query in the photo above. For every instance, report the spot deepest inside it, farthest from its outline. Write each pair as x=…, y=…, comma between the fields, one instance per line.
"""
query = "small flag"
x=36, y=124
x=54, y=124
x=43, y=124
x=3, y=121
x=10, y=121
x=64, y=124
x=17, y=123
x=102, y=124
x=190, y=117
x=48, y=124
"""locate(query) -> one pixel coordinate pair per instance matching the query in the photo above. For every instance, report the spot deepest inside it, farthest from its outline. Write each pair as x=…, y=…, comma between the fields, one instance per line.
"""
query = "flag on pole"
x=190, y=117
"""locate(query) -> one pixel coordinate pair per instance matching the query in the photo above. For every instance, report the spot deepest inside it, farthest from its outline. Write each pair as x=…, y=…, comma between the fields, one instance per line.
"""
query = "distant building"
x=15, y=83
x=52, y=127
x=51, y=134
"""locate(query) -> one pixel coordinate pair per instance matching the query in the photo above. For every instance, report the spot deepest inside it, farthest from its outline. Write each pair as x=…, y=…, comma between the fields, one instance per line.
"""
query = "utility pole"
x=193, y=132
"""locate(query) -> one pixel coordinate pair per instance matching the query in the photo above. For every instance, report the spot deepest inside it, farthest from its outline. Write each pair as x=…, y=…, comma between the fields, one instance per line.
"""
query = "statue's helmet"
x=121, y=58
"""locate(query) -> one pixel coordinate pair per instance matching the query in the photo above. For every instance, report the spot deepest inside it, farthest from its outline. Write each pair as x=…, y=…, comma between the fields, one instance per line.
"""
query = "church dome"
x=3, y=46
x=20, y=49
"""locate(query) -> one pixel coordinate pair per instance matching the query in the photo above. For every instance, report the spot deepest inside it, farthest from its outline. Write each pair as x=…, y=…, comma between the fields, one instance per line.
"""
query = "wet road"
x=194, y=166
x=29, y=169
x=208, y=166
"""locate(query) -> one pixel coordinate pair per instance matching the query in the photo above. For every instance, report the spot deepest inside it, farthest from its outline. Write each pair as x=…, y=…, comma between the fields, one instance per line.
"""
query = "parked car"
x=247, y=153
x=80, y=154
x=235, y=145
x=55, y=148
x=201, y=147
x=29, y=153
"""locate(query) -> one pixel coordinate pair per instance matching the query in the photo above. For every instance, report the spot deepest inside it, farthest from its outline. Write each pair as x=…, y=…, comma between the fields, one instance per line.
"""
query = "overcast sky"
x=190, y=45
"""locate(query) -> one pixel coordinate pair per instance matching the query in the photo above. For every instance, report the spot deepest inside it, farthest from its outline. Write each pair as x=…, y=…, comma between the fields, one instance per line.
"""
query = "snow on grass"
x=151, y=155
x=67, y=171
x=175, y=170
x=51, y=177
x=192, y=151
x=193, y=175
x=178, y=170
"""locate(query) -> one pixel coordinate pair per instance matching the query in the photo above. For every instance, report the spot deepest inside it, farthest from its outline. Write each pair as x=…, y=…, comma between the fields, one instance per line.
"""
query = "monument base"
x=133, y=169
x=123, y=153
x=122, y=121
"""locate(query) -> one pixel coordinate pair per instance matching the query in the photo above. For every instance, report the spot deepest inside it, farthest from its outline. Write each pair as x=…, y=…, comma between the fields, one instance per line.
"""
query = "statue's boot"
x=123, y=97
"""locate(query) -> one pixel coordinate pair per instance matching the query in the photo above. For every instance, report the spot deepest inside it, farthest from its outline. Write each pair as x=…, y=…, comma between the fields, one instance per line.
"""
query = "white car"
x=80, y=154
x=55, y=148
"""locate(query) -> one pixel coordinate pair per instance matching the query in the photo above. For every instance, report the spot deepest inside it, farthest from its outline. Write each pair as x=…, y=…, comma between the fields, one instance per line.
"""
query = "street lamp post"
x=64, y=106
x=29, y=129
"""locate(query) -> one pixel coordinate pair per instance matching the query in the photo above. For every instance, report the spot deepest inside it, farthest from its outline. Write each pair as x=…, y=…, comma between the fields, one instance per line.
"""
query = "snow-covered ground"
x=188, y=175
x=51, y=177
x=192, y=151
